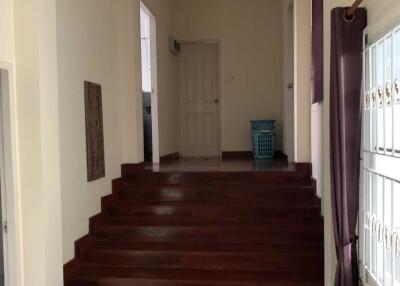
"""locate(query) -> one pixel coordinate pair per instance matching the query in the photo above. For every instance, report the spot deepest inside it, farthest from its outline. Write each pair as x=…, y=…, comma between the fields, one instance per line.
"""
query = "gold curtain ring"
x=373, y=97
x=380, y=232
x=380, y=94
x=366, y=100
x=388, y=93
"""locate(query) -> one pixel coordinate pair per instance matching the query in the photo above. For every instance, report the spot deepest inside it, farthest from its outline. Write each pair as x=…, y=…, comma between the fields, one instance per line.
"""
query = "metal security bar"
x=380, y=186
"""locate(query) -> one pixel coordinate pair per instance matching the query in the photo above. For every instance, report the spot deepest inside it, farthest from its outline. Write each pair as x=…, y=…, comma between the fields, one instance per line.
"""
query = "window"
x=380, y=187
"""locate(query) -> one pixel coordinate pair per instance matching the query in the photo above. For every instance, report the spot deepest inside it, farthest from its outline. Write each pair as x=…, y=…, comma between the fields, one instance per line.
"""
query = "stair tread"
x=187, y=222
x=98, y=243
x=252, y=205
x=204, y=229
x=267, y=225
x=99, y=271
x=131, y=185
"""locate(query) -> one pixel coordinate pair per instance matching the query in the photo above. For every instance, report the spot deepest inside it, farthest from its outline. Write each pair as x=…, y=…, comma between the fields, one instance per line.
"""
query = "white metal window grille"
x=380, y=186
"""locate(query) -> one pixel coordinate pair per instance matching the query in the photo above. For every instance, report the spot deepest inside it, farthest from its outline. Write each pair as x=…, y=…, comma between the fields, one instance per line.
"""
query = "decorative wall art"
x=94, y=131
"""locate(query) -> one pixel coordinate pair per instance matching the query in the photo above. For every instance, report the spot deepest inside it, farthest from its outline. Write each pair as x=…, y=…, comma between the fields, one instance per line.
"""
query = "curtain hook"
x=348, y=18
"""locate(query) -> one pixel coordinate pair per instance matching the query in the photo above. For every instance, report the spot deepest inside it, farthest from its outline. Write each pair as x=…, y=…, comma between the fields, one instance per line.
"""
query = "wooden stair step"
x=98, y=243
x=207, y=178
x=121, y=276
x=316, y=223
x=204, y=260
x=278, y=234
x=197, y=211
x=212, y=196
x=204, y=229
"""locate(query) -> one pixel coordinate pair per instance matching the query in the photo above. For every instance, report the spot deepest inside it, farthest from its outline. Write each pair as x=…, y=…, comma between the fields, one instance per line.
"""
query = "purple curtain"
x=345, y=129
x=317, y=51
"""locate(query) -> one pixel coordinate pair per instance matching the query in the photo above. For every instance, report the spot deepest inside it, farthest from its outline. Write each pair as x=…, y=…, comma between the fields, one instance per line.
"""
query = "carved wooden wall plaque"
x=94, y=131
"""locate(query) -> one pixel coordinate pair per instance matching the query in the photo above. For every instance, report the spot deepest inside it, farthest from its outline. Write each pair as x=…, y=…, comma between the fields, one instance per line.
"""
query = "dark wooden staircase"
x=204, y=228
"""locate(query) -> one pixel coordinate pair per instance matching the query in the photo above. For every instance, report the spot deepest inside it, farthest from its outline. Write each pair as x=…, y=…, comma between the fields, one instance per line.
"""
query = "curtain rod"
x=350, y=12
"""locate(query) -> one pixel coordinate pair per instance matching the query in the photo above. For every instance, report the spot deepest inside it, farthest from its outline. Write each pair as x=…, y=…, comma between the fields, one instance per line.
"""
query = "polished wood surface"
x=231, y=164
x=222, y=227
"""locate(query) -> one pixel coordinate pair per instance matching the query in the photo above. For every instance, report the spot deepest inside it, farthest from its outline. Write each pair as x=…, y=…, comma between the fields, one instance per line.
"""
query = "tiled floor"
x=217, y=164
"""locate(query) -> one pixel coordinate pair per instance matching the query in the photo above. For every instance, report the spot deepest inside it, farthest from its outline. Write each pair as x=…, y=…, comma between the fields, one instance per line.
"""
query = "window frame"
x=372, y=107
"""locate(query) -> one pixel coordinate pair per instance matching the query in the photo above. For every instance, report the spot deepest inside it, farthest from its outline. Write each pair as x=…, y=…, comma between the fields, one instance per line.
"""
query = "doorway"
x=288, y=94
x=7, y=237
x=199, y=100
x=148, y=35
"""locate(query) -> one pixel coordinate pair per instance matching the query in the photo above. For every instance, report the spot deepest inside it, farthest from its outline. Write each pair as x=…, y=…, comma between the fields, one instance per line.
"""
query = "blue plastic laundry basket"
x=258, y=125
x=263, y=144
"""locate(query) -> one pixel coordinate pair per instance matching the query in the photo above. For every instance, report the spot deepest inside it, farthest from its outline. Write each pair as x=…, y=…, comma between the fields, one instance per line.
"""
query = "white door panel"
x=199, y=89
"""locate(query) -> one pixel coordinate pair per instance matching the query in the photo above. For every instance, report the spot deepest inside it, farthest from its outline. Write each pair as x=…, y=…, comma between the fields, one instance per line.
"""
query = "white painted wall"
x=38, y=141
x=168, y=85
x=382, y=15
x=302, y=81
x=250, y=33
x=6, y=31
x=100, y=45
x=145, y=49
x=317, y=145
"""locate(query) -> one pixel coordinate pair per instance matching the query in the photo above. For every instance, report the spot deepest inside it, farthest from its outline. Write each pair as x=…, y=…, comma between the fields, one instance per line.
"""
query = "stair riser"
x=154, y=282
x=211, y=212
x=215, y=197
x=241, y=248
x=218, y=177
x=194, y=234
x=259, y=262
x=222, y=222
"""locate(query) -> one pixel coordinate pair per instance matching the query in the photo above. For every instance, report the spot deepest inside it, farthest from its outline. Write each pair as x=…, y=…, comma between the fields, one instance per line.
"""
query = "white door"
x=199, y=97
x=288, y=97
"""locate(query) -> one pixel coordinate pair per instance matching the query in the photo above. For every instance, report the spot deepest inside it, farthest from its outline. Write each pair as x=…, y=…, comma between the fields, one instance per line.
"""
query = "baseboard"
x=70, y=266
x=304, y=168
x=132, y=168
x=319, y=201
x=280, y=155
x=169, y=157
x=248, y=155
x=237, y=154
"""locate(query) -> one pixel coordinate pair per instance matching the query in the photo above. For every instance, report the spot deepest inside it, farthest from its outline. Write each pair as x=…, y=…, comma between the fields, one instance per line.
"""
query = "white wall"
x=101, y=45
x=145, y=50
x=250, y=33
x=382, y=15
x=38, y=141
x=6, y=31
x=317, y=145
x=302, y=81
x=168, y=85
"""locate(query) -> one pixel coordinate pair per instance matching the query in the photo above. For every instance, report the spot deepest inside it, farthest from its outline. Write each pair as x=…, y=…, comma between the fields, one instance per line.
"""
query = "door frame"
x=10, y=194
x=220, y=91
x=154, y=83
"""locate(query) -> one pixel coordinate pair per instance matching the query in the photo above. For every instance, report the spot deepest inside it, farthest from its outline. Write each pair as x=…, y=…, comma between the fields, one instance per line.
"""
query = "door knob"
x=216, y=101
